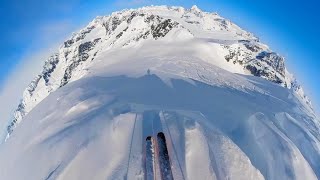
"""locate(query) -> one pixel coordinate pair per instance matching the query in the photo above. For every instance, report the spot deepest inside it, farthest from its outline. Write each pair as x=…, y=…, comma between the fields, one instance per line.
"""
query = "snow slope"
x=88, y=119
x=95, y=128
x=206, y=36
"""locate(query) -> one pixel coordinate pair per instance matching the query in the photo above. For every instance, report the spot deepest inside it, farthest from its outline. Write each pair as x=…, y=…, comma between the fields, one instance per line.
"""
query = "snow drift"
x=186, y=73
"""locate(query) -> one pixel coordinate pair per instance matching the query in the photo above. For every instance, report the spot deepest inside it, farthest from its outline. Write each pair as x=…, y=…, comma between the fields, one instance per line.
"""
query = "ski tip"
x=160, y=134
x=148, y=138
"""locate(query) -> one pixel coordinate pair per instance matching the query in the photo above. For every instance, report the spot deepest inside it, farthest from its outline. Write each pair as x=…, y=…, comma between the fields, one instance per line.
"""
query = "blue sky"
x=32, y=29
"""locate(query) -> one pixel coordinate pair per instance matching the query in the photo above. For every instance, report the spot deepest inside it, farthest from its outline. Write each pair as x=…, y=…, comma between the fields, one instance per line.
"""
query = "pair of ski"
x=157, y=151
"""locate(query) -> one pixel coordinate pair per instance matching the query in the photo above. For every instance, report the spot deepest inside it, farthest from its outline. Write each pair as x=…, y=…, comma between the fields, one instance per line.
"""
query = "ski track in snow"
x=219, y=122
x=177, y=34
x=198, y=164
x=105, y=139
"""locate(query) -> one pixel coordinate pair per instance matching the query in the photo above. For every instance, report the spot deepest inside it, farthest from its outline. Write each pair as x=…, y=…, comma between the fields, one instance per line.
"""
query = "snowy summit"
x=167, y=93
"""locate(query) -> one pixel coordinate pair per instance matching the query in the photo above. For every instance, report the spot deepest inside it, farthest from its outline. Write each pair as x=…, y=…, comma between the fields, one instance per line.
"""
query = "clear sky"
x=32, y=29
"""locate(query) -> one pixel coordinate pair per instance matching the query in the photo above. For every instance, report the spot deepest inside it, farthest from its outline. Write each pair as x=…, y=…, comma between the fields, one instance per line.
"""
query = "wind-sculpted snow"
x=95, y=128
x=179, y=71
x=218, y=41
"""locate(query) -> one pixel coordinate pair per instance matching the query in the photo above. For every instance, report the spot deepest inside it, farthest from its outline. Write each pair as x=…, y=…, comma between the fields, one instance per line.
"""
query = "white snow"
x=198, y=164
x=219, y=121
x=87, y=129
x=202, y=35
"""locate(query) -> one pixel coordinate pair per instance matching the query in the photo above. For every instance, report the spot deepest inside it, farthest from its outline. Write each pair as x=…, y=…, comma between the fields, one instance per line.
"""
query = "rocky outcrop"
x=128, y=27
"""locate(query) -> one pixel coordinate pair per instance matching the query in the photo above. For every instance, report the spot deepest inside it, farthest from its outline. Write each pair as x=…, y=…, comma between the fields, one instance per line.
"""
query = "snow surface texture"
x=171, y=31
x=88, y=114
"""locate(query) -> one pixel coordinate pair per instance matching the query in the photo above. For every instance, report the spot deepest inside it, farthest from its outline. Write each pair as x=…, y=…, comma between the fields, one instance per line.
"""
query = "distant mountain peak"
x=225, y=45
x=163, y=93
x=195, y=8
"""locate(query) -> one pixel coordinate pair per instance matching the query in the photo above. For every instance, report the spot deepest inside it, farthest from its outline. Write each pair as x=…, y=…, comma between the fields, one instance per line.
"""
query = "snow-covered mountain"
x=225, y=45
x=191, y=73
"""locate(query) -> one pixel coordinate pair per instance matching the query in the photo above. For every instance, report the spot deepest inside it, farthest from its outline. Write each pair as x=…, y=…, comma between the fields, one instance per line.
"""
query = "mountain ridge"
x=224, y=101
x=117, y=30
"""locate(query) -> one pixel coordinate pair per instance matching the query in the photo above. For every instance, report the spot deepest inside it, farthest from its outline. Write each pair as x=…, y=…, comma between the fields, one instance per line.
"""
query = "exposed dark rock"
x=112, y=24
x=81, y=35
x=119, y=35
x=21, y=109
x=34, y=83
x=133, y=15
x=252, y=47
x=224, y=24
x=254, y=71
x=49, y=67
x=163, y=28
x=153, y=18
x=83, y=55
x=68, y=43
x=264, y=73
x=273, y=60
x=115, y=22
x=230, y=56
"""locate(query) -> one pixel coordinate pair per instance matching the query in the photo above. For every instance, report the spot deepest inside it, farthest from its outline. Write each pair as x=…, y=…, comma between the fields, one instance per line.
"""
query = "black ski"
x=164, y=161
x=150, y=173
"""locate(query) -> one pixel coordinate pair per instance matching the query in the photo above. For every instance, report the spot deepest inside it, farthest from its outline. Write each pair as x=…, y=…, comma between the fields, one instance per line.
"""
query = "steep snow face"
x=186, y=73
x=243, y=127
x=188, y=32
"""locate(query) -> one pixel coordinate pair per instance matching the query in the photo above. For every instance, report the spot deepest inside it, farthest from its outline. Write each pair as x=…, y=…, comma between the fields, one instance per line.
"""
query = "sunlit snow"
x=220, y=121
